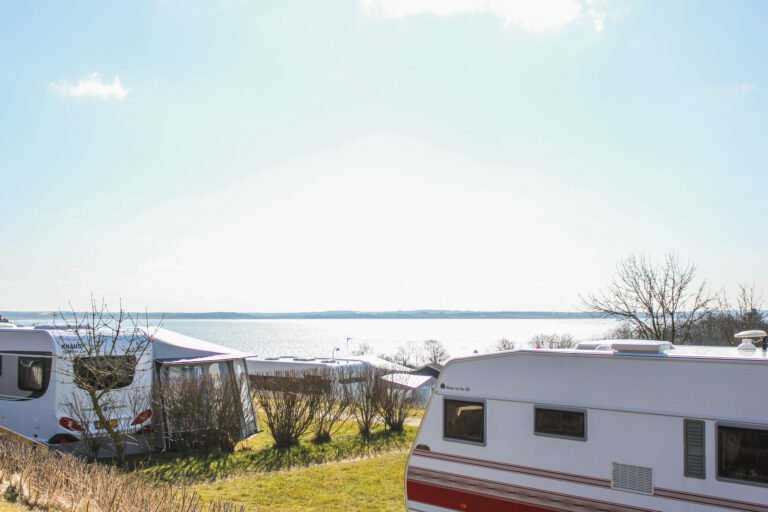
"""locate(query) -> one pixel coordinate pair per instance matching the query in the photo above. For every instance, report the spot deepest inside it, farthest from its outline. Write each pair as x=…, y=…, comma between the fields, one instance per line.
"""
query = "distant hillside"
x=414, y=314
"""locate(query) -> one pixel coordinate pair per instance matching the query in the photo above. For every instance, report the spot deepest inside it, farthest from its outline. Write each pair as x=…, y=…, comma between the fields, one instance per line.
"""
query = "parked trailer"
x=37, y=380
x=609, y=426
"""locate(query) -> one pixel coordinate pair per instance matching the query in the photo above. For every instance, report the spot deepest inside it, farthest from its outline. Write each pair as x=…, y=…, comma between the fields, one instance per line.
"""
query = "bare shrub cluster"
x=298, y=403
x=364, y=398
x=395, y=402
x=375, y=398
x=295, y=404
x=413, y=355
x=333, y=407
x=51, y=480
x=203, y=412
x=552, y=341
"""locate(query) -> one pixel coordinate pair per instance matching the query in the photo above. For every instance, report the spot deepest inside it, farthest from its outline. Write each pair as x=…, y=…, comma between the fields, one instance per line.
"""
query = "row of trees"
x=320, y=403
x=412, y=354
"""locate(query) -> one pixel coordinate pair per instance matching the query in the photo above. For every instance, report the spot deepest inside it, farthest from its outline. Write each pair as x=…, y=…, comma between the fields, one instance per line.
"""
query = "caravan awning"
x=206, y=359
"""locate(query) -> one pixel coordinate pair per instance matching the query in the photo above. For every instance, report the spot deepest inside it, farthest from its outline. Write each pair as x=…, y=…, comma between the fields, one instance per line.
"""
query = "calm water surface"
x=319, y=337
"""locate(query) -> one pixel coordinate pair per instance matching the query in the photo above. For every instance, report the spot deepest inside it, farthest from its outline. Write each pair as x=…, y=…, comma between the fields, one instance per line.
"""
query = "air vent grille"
x=632, y=478
x=694, y=449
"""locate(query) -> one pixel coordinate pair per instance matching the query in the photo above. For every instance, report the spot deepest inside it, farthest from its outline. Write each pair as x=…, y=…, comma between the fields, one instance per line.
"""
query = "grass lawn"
x=258, y=455
x=370, y=485
x=351, y=472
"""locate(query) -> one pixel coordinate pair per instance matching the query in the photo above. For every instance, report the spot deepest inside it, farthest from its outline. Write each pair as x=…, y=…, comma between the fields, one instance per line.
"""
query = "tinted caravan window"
x=104, y=372
x=34, y=373
x=742, y=454
x=464, y=420
x=567, y=423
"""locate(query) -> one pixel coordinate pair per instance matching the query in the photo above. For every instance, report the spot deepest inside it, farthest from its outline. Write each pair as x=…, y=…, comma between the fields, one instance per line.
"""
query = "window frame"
x=80, y=367
x=47, y=364
x=478, y=401
x=583, y=411
x=732, y=424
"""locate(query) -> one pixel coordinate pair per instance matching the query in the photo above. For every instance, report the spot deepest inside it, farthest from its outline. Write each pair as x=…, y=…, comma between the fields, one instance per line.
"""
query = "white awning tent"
x=180, y=355
x=168, y=345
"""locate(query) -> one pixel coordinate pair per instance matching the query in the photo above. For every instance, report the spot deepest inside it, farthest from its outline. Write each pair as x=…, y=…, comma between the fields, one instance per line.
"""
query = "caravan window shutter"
x=693, y=437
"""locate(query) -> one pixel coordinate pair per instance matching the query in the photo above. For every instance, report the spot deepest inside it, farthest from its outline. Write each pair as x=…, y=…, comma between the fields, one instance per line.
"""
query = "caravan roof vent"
x=746, y=338
x=627, y=346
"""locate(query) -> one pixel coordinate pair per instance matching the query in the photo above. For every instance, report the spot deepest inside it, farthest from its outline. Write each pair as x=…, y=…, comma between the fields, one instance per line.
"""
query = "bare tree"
x=719, y=326
x=435, y=352
x=659, y=301
x=503, y=345
x=363, y=349
x=408, y=354
x=102, y=352
x=552, y=341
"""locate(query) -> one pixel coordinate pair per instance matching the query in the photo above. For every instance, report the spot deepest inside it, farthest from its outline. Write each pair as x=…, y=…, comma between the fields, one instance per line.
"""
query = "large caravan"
x=37, y=387
x=609, y=426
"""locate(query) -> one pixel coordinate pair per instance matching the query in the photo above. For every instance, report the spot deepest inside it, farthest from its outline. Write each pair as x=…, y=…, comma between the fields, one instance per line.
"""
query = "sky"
x=374, y=155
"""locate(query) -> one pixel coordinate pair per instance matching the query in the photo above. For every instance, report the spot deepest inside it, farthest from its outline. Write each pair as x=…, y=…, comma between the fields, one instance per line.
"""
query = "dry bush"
x=364, y=398
x=203, y=412
x=289, y=406
x=333, y=409
x=394, y=401
x=55, y=481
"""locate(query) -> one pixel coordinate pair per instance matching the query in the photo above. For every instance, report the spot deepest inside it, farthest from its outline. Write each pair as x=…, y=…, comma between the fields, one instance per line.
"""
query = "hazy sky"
x=375, y=154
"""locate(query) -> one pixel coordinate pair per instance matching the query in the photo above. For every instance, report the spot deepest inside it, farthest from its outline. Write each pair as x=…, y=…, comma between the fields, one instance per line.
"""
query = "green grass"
x=8, y=506
x=370, y=485
x=258, y=455
x=352, y=472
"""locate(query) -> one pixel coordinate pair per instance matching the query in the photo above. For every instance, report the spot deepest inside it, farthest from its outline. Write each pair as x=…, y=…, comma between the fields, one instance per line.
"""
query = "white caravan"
x=37, y=384
x=609, y=426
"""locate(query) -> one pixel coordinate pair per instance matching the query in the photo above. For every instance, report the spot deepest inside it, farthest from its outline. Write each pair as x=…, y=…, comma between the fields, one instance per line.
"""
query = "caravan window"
x=566, y=423
x=34, y=373
x=742, y=454
x=104, y=372
x=464, y=420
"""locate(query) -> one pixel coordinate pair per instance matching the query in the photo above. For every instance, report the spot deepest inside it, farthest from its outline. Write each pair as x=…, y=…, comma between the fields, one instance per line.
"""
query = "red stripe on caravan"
x=538, y=499
x=702, y=499
x=463, y=501
x=557, y=475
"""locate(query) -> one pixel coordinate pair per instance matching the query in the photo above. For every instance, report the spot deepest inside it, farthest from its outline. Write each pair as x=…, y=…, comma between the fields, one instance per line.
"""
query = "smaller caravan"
x=609, y=426
x=37, y=385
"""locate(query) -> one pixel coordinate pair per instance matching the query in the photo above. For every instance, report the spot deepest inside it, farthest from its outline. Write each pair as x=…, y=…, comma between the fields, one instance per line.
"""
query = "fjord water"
x=318, y=338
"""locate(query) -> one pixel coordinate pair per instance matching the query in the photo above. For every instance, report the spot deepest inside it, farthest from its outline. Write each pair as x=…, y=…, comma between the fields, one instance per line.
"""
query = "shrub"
x=203, y=412
x=289, y=406
x=394, y=401
x=333, y=406
x=364, y=398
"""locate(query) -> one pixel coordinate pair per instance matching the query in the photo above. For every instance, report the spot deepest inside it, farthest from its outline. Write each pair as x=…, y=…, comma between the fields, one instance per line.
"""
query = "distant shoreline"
x=343, y=315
